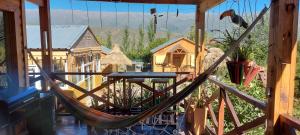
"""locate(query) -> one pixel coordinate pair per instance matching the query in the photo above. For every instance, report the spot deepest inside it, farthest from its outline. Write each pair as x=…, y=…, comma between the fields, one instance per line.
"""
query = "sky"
x=238, y=5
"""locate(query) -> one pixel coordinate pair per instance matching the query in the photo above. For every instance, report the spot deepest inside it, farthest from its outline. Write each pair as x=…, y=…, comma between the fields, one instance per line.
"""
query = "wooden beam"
x=46, y=40
x=230, y=107
x=207, y=4
x=249, y=99
x=40, y=3
x=221, y=113
x=247, y=126
x=199, y=38
x=9, y=5
x=281, y=60
x=290, y=121
x=154, y=1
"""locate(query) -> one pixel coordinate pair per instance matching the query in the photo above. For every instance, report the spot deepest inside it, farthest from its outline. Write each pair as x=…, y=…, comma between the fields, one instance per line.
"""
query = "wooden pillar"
x=281, y=61
x=46, y=40
x=199, y=38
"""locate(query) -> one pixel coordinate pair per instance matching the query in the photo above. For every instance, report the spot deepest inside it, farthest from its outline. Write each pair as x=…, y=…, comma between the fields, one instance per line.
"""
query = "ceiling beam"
x=188, y=2
x=40, y=3
x=207, y=4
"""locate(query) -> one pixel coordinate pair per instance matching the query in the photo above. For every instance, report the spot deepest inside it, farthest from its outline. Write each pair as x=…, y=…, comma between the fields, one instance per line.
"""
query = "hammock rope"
x=102, y=120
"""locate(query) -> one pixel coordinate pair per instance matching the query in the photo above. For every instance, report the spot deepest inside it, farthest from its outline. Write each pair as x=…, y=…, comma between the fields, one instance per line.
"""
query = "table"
x=128, y=75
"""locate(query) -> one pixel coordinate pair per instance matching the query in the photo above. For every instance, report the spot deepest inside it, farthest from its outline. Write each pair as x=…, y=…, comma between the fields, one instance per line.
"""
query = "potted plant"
x=238, y=64
x=196, y=112
x=200, y=113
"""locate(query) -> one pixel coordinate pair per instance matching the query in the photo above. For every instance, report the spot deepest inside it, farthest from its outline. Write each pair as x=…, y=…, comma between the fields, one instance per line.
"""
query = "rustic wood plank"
x=199, y=38
x=161, y=93
x=85, y=92
x=230, y=107
x=247, y=126
x=255, y=102
x=9, y=5
x=290, y=121
x=213, y=116
x=281, y=60
x=46, y=39
x=103, y=85
x=214, y=96
x=221, y=114
x=210, y=130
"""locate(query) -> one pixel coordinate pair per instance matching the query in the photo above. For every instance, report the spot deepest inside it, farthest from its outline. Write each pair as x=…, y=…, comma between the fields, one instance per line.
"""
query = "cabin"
x=75, y=49
x=176, y=55
x=25, y=109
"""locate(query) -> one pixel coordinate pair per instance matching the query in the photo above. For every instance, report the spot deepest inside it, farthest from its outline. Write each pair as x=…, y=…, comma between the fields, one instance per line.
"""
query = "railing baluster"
x=230, y=107
x=221, y=114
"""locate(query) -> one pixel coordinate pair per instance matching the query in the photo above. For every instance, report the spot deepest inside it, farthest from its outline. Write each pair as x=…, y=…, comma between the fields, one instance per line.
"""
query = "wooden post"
x=281, y=61
x=221, y=113
x=46, y=40
x=199, y=38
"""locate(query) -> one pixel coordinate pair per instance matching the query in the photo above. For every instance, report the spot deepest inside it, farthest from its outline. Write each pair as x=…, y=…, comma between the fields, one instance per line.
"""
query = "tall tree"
x=125, y=40
x=108, y=40
x=151, y=32
x=191, y=34
x=141, y=39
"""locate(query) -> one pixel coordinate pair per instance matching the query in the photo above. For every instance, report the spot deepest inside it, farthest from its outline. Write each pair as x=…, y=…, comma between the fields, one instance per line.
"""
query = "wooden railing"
x=288, y=125
x=224, y=101
x=185, y=76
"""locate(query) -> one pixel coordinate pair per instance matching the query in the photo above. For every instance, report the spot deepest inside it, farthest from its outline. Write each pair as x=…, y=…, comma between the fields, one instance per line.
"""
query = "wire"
x=87, y=12
x=143, y=16
x=116, y=15
x=100, y=14
x=71, y=4
x=128, y=15
x=167, y=17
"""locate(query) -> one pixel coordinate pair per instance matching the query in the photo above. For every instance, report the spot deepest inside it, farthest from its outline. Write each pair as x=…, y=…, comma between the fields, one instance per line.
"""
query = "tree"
x=169, y=35
x=125, y=40
x=191, y=34
x=151, y=31
x=108, y=40
x=141, y=39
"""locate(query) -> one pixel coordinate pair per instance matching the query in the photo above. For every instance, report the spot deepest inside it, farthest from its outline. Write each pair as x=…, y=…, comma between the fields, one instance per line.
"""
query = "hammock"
x=103, y=120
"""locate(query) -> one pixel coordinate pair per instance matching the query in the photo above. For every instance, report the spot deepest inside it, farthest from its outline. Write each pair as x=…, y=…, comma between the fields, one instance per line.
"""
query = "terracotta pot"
x=235, y=70
x=200, y=117
x=190, y=115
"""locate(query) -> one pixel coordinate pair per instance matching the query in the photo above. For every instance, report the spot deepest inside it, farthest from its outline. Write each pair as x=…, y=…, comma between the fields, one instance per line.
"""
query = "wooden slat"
x=221, y=113
x=247, y=126
x=290, y=121
x=103, y=85
x=86, y=92
x=146, y=87
x=214, y=96
x=213, y=116
x=161, y=93
x=233, y=114
x=257, y=103
x=210, y=130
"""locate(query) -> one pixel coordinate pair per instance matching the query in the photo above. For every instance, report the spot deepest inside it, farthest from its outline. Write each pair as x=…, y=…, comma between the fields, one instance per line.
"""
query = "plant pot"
x=189, y=117
x=200, y=117
x=235, y=70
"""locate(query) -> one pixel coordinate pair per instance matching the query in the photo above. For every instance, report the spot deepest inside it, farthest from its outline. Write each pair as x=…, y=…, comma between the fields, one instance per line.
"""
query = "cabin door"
x=178, y=60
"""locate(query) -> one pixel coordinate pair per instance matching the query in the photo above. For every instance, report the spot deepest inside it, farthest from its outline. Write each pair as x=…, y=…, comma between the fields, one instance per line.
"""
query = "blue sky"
x=123, y=7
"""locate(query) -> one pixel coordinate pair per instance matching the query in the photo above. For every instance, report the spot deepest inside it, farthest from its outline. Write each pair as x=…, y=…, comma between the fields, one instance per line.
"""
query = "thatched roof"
x=116, y=57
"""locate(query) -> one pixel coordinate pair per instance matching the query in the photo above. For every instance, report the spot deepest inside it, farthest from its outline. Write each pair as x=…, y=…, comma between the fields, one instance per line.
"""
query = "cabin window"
x=3, y=67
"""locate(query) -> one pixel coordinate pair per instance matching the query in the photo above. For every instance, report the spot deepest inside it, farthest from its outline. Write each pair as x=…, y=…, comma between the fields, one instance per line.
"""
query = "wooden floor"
x=66, y=125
